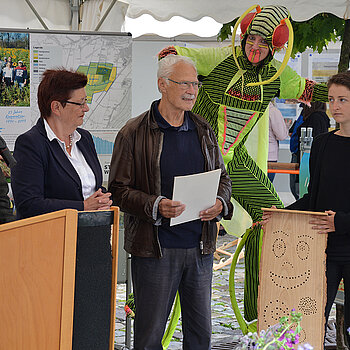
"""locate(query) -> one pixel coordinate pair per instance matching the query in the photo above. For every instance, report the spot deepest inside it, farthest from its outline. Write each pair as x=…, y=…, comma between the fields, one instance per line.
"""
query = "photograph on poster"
x=14, y=69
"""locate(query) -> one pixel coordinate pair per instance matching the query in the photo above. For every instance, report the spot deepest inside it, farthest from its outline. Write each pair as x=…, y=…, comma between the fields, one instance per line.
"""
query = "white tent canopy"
x=224, y=11
x=109, y=15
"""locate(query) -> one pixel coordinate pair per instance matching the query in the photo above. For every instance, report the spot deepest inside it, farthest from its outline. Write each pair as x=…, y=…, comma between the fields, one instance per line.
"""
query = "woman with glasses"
x=57, y=165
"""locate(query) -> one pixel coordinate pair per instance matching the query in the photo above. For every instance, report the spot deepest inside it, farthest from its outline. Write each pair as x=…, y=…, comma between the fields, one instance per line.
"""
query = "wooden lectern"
x=293, y=274
x=58, y=281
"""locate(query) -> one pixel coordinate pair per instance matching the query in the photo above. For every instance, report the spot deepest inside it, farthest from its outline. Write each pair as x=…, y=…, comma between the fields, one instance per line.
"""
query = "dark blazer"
x=44, y=180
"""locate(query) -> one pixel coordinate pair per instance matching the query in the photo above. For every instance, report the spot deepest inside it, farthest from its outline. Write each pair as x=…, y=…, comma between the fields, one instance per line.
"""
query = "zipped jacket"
x=135, y=182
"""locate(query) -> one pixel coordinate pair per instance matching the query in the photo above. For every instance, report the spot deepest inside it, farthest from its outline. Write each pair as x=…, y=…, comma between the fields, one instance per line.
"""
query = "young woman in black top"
x=329, y=191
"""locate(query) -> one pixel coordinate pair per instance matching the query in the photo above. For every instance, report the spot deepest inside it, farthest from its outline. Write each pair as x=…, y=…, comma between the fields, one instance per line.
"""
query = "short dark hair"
x=57, y=85
x=342, y=78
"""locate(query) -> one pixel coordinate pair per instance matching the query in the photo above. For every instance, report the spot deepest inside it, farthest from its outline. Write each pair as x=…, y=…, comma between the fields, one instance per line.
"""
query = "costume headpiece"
x=271, y=23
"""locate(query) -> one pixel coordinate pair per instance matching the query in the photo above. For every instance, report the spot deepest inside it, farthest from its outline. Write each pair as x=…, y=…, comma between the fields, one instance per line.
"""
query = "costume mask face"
x=256, y=48
x=271, y=23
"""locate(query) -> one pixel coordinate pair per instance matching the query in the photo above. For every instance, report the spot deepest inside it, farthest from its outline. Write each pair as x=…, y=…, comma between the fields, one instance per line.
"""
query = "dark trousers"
x=8, y=82
x=335, y=272
x=156, y=282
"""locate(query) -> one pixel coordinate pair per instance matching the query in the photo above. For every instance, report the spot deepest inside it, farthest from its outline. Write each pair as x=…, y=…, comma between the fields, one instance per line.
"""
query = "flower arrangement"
x=284, y=335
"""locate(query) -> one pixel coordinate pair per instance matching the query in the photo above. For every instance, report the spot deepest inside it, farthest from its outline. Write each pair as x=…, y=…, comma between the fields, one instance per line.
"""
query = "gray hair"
x=166, y=65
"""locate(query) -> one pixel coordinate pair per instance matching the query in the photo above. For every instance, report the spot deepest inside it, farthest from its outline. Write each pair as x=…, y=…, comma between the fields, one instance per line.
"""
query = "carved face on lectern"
x=292, y=272
x=292, y=275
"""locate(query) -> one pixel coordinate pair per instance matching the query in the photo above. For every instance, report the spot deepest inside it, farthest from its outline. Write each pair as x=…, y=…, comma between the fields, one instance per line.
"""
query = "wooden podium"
x=293, y=274
x=58, y=281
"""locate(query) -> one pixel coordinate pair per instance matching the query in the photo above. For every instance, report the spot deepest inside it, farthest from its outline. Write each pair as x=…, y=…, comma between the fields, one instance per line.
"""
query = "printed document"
x=198, y=192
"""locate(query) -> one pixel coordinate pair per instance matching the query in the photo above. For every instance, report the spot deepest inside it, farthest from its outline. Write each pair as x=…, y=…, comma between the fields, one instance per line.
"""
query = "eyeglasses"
x=82, y=104
x=186, y=84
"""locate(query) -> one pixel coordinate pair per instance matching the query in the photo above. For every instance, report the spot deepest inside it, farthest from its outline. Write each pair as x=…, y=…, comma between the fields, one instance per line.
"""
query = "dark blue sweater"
x=181, y=155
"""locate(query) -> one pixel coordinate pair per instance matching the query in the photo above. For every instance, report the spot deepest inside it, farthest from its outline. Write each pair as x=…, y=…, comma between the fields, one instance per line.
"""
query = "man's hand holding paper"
x=212, y=212
x=170, y=209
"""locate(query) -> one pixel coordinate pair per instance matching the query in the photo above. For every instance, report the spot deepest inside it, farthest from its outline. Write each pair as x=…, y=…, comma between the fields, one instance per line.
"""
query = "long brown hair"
x=316, y=106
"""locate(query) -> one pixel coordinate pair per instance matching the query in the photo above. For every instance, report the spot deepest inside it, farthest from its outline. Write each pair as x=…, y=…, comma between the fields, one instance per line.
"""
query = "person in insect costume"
x=238, y=82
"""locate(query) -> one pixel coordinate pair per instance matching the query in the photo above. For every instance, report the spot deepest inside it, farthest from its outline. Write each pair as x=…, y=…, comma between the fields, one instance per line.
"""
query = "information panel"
x=104, y=58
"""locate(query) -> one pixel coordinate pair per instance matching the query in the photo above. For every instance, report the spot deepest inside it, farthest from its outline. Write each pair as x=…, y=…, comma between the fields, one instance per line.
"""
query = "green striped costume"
x=233, y=109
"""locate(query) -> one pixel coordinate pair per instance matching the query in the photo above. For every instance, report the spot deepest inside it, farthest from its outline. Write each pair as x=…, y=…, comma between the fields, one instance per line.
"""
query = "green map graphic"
x=101, y=76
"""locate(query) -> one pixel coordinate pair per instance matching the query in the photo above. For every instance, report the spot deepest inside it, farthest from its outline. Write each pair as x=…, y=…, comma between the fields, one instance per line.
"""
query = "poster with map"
x=104, y=58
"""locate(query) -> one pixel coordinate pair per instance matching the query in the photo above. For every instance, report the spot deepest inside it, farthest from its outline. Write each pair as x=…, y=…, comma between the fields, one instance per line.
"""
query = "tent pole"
x=74, y=7
x=37, y=14
x=105, y=15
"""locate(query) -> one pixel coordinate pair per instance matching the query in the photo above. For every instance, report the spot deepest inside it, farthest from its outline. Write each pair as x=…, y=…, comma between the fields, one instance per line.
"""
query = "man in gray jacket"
x=149, y=151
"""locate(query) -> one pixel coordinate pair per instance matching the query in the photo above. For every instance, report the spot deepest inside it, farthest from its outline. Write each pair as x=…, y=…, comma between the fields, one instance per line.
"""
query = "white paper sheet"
x=198, y=192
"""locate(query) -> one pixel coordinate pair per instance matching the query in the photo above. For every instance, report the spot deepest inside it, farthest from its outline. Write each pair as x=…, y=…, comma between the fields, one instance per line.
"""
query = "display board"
x=104, y=58
x=293, y=274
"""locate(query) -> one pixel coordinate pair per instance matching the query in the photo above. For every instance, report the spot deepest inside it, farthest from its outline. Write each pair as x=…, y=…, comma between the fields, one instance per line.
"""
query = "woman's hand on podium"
x=98, y=201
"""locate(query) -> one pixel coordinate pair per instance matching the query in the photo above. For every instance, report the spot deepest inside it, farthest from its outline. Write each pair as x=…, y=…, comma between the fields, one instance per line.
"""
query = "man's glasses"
x=186, y=84
x=82, y=104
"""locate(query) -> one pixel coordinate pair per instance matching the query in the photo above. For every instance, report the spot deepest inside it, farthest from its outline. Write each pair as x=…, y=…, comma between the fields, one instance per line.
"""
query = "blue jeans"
x=156, y=282
x=294, y=179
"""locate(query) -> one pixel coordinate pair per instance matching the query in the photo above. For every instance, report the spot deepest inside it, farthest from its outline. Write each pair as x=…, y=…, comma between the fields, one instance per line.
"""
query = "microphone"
x=6, y=154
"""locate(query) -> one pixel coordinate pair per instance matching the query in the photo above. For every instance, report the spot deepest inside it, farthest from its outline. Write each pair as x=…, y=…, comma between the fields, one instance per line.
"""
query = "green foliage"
x=315, y=33
x=14, y=96
x=227, y=325
x=226, y=30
